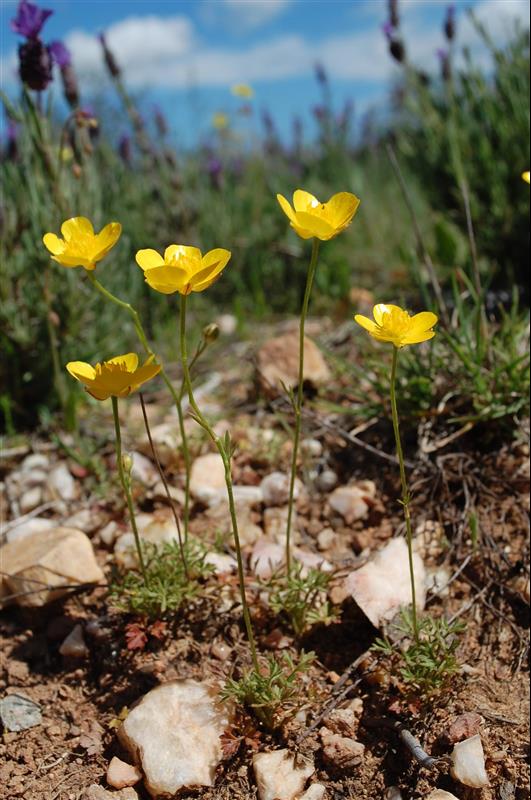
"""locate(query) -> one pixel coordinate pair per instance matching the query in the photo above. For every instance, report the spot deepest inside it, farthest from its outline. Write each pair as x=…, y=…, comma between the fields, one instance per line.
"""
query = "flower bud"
x=127, y=464
x=77, y=171
x=394, y=17
x=449, y=24
x=70, y=86
x=110, y=61
x=210, y=332
x=35, y=64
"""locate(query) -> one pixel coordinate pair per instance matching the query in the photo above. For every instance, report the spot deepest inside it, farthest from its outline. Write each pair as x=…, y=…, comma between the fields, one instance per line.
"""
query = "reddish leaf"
x=158, y=630
x=136, y=636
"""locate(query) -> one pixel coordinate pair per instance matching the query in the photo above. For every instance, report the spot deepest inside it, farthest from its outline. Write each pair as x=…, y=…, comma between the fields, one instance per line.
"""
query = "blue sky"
x=186, y=54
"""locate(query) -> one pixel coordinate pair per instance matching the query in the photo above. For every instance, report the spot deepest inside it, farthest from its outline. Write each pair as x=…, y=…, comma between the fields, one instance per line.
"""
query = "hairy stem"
x=297, y=406
x=405, y=493
x=126, y=486
x=226, y=458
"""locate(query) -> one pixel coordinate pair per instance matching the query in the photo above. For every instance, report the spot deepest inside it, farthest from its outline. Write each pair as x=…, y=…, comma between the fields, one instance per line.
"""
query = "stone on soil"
x=464, y=727
x=341, y=752
x=120, y=774
x=207, y=477
x=275, y=489
x=95, y=792
x=382, y=586
x=353, y=502
x=277, y=363
x=157, y=528
x=439, y=794
x=18, y=713
x=50, y=559
x=277, y=777
x=315, y=792
x=174, y=733
x=35, y=525
x=61, y=483
x=74, y=645
x=468, y=763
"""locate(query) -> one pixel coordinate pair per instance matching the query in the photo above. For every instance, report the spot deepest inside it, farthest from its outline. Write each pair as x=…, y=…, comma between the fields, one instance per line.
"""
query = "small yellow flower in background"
x=220, y=121
x=243, y=90
x=117, y=377
x=80, y=246
x=67, y=154
x=182, y=269
x=310, y=218
x=393, y=324
x=525, y=176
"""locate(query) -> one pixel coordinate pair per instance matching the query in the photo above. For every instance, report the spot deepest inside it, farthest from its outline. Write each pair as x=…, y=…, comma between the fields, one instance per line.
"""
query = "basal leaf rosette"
x=182, y=269
x=117, y=377
x=310, y=218
x=394, y=324
x=80, y=246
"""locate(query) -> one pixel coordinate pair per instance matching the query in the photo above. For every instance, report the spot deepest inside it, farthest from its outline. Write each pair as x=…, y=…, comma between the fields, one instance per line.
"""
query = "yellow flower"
x=80, y=246
x=220, y=121
x=310, y=218
x=183, y=269
x=525, y=176
x=243, y=90
x=117, y=377
x=393, y=324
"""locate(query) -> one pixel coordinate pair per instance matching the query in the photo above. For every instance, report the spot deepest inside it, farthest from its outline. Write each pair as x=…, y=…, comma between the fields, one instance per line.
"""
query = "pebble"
x=174, y=733
x=74, y=645
x=382, y=586
x=221, y=651
x=227, y=324
x=18, y=713
x=275, y=489
x=315, y=792
x=120, y=774
x=464, y=726
x=341, y=752
x=223, y=563
x=49, y=559
x=326, y=539
x=277, y=364
x=31, y=526
x=30, y=499
x=61, y=482
x=352, y=502
x=35, y=461
x=439, y=794
x=276, y=522
x=109, y=533
x=312, y=448
x=207, y=477
x=95, y=792
x=468, y=763
x=393, y=793
x=144, y=469
x=277, y=777
x=327, y=480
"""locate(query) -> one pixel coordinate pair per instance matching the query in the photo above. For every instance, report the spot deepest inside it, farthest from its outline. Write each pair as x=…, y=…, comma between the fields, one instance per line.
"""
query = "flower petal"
x=213, y=263
x=81, y=371
x=286, y=207
x=415, y=337
x=53, y=243
x=366, y=323
x=77, y=226
x=149, y=259
x=341, y=208
x=313, y=224
x=130, y=360
x=168, y=279
x=176, y=251
x=107, y=238
x=381, y=309
x=423, y=321
x=304, y=201
x=143, y=374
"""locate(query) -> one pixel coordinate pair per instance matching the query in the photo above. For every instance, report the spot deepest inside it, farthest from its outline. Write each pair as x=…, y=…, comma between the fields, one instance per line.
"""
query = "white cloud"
x=243, y=15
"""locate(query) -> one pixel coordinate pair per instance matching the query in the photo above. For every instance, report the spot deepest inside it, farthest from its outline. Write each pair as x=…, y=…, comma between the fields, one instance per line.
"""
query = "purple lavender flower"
x=393, y=13
x=125, y=149
x=160, y=121
x=35, y=64
x=319, y=113
x=388, y=30
x=60, y=54
x=449, y=24
x=110, y=61
x=320, y=74
x=29, y=20
x=214, y=169
x=11, y=147
x=446, y=66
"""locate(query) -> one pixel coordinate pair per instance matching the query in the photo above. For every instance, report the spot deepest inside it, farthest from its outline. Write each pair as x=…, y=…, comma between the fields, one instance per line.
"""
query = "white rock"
x=158, y=492
x=28, y=528
x=61, y=483
x=277, y=777
x=327, y=480
x=439, y=794
x=158, y=528
x=468, y=763
x=312, y=448
x=249, y=531
x=120, y=774
x=223, y=563
x=85, y=520
x=74, y=645
x=243, y=495
x=144, y=470
x=393, y=793
x=109, y=533
x=326, y=539
x=227, y=324
x=352, y=502
x=30, y=499
x=277, y=364
x=266, y=558
x=315, y=792
x=207, y=477
x=34, y=477
x=174, y=736
x=35, y=461
x=275, y=489
x=167, y=441
x=276, y=523
x=382, y=586
x=50, y=560
x=311, y=560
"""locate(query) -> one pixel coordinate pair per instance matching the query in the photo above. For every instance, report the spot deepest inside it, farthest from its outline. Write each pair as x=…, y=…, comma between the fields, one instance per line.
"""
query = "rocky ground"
x=97, y=704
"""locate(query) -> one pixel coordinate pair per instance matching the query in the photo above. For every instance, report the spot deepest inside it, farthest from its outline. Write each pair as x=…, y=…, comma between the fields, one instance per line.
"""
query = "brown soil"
x=81, y=700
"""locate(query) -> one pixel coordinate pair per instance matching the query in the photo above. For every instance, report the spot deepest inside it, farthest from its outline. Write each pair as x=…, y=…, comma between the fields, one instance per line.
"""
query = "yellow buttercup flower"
x=525, y=176
x=220, y=121
x=393, y=324
x=117, y=377
x=310, y=218
x=243, y=90
x=80, y=246
x=182, y=269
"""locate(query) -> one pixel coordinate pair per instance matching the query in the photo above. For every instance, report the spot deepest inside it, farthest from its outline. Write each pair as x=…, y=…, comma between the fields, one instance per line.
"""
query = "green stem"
x=297, y=406
x=177, y=399
x=226, y=458
x=126, y=486
x=405, y=493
